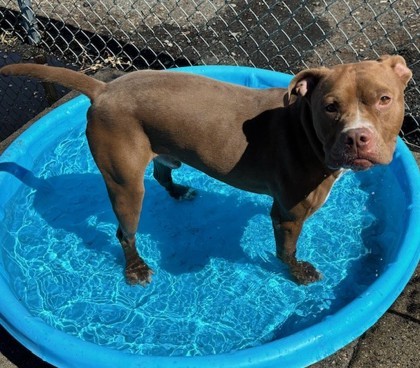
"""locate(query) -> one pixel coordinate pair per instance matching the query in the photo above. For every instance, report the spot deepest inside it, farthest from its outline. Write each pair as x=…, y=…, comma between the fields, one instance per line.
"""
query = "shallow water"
x=217, y=286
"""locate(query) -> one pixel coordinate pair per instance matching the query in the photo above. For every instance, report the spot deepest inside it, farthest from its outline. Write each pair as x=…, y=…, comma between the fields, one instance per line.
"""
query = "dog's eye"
x=332, y=107
x=384, y=100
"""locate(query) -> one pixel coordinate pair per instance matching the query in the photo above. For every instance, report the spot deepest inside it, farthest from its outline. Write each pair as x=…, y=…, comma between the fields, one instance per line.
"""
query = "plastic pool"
x=219, y=298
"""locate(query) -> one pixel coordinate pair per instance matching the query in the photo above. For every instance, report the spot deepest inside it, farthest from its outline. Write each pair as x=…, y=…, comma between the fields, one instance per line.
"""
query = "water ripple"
x=217, y=285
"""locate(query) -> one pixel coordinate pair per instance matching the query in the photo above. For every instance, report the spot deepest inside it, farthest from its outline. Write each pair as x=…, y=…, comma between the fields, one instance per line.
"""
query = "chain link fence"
x=131, y=34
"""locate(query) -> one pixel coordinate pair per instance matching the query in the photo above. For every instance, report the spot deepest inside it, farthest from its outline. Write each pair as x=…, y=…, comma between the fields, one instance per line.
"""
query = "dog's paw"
x=181, y=192
x=305, y=273
x=138, y=273
x=189, y=195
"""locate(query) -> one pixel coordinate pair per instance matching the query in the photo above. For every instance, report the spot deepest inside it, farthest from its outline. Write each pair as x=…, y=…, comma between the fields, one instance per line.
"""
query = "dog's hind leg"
x=122, y=158
x=162, y=171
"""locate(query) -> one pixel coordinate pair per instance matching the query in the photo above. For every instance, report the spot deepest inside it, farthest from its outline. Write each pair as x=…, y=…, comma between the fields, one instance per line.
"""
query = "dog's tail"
x=89, y=86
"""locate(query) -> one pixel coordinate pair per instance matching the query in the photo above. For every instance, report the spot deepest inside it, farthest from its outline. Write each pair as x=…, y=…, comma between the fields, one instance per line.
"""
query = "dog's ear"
x=399, y=66
x=304, y=82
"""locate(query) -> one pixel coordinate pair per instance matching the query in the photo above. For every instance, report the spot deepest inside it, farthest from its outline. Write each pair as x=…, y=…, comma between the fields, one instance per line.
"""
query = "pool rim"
x=298, y=349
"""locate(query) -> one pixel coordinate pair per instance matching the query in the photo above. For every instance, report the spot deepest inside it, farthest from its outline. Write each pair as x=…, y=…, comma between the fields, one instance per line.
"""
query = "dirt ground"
x=282, y=35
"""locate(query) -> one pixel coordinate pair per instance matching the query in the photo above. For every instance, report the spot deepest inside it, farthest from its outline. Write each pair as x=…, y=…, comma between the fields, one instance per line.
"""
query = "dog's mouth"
x=355, y=163
x=341, y=156
x=359, y=164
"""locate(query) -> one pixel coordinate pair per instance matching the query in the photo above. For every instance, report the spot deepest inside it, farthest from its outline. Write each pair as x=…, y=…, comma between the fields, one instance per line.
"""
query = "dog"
x=291, y=144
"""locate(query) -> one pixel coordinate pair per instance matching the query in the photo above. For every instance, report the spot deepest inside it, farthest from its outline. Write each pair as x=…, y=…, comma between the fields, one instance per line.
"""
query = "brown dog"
x=290, y=144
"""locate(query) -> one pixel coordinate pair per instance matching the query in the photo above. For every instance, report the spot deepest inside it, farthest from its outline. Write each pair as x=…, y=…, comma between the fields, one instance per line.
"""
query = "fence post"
x=29, y=21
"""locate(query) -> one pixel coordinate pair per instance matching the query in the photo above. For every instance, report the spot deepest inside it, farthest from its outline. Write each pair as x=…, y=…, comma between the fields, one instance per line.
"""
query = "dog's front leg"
x=287, y=229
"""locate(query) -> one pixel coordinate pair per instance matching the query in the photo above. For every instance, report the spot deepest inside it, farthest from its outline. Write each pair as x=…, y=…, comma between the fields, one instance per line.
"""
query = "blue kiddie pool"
x=219, y=297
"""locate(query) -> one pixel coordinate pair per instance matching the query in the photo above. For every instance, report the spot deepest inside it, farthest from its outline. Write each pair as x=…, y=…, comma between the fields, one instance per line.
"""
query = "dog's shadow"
x=188, y=234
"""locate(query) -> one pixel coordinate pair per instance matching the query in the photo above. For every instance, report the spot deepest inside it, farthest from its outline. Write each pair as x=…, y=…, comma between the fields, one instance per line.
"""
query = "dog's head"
x=357, y=109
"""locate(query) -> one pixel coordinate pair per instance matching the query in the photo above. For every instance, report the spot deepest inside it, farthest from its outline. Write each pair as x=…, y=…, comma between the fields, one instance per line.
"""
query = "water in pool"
x=217, y=286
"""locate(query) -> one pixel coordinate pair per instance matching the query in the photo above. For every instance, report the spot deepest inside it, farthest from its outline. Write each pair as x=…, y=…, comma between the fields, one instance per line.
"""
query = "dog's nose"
x=358, y=138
